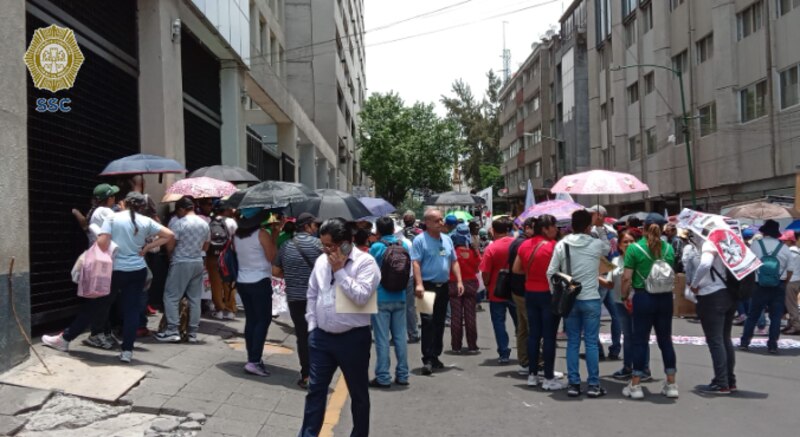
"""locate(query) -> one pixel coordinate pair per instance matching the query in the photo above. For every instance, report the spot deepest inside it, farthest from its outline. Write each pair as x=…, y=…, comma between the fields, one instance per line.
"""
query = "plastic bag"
x=280, y=306
x=95, y=272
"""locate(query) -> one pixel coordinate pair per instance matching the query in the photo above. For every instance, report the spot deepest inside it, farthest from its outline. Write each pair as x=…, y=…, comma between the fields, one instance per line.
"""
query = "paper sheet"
x=425, y=303
x=344, y=305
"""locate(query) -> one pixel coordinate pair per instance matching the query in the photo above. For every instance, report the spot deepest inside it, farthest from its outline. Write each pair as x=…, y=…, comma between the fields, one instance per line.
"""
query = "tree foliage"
x=479, y=128
x=405, y=147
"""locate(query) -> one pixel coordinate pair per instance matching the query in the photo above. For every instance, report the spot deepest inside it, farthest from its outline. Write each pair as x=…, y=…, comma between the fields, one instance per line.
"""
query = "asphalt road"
x=474, y=396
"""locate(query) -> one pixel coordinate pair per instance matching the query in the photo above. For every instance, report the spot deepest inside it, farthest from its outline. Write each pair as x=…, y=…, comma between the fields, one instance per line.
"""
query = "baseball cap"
x=788, y=236
x=598, y=208
x=451, y=220
x=305, y=219
x=104, y=191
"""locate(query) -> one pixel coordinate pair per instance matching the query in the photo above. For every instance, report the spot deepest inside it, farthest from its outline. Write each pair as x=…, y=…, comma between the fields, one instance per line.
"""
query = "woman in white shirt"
x=255, y=250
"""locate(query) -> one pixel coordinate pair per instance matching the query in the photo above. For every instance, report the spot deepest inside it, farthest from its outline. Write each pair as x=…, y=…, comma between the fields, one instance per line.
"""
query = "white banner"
x=725, y=235
x=486, y=193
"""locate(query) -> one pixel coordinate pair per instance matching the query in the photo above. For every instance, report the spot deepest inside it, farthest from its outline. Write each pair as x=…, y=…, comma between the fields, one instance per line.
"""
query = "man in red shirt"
x=495, y=258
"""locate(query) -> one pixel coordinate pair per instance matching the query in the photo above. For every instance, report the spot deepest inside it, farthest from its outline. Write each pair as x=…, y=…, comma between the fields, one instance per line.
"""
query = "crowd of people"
x=630, y=270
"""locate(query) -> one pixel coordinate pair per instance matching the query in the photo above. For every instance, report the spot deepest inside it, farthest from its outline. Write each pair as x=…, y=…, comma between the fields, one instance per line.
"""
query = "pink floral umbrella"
x=599, y=182
x=560, y=209
x=199, y=188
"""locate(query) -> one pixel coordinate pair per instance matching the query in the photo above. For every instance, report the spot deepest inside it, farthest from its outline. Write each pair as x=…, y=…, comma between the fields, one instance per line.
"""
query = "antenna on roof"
x=506, y=56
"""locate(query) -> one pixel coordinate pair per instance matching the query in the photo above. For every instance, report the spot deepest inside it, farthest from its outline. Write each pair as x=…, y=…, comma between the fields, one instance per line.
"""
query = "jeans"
x=411, y=311
x=744, y=309
x=583, y=319
x=626, y=323
x=297, y=311
x=350, y=352
x=773, y=298
x=390, y=320
x=132, y=299
x=257, y=301
x=522, y=330
x=616, y=328
x=183, y=279
x=541, y=328
x=93, y=312
x=716, y=312
x=433, y=324
x=463, y=317
x=652, y=311
x=497, y=310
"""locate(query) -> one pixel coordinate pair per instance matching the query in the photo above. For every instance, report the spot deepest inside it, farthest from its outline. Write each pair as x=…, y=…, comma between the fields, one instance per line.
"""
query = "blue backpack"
x=769, y=274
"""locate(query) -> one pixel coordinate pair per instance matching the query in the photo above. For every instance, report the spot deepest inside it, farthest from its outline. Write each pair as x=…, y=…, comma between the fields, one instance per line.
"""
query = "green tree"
x=490, y=176
x=405, y=147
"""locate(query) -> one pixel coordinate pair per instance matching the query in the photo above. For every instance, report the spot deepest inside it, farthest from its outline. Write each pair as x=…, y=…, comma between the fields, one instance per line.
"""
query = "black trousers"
x=433, y=324
x=350, y=352
x=716, y=312
x=297, y=310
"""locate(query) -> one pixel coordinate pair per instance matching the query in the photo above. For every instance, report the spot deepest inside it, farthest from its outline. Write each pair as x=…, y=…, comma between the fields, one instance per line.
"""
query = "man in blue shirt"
x=432, y=256
x=391, y=316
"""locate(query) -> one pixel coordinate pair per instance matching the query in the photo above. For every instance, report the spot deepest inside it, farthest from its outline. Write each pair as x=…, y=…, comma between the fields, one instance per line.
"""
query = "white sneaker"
x=558, y=375
x=533, y=380
x=126, y=356
x=219, y=315
x=523, y=371
x=56, y=342
x=633, y=391
x=228, y=315
x=553, y=384
x=670, y=390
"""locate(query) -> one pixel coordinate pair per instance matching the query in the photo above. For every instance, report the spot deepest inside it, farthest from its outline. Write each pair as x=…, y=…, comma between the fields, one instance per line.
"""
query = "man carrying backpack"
x=771, y=281
x=394, y=262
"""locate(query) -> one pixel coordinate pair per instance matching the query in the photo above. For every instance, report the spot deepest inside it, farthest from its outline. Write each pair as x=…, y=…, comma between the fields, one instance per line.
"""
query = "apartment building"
x=529, y=141
x=739, y=64
x=326, y=74
x=198, y=81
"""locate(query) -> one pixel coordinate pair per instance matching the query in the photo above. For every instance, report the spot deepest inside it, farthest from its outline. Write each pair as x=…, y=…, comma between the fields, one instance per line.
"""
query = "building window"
x=633, y=147
x=537, y=169
x=649, y=83
x=679, y=131
x=552, y=164
x=705, y=48
x=784, y=6
x=680, y=62
x=749, y=20
x=628, y=7
x=603, y=112
x=552, y=93
x=535, y=136
x=752, y=102
x=650, y=140
x=789, y=87
x=633, y=93
x=552, y=127
x=673, y=4
x=612, y=106
x=708, y=119
x=630, y=33
x=647, y=18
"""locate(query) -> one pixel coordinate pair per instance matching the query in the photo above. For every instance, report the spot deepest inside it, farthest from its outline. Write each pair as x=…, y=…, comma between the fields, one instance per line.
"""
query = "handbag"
x=502, y=288
x=565, y=290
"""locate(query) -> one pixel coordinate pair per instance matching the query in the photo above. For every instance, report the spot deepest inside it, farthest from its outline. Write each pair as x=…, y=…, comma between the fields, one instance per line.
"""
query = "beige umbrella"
x=761, y=211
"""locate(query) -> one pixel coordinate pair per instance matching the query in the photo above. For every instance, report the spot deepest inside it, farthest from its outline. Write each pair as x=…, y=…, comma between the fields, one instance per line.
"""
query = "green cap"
x=104, y=191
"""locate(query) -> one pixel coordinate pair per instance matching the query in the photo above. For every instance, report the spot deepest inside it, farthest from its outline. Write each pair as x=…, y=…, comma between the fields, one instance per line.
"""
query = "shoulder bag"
x=565, y=289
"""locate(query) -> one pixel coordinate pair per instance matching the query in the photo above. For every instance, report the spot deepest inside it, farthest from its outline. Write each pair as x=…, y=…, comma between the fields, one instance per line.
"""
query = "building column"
x=234, y=140
x=322, y=173
x=287, y=143
x=14, y=186
x=160, y=82
x=306, y=165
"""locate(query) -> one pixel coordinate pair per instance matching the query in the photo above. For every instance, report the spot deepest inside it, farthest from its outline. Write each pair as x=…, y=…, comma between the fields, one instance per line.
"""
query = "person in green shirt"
x=650, y=310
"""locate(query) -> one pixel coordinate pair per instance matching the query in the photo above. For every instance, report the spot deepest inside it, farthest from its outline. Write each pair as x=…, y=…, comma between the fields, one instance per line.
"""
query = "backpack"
x=218, y=235
x=410, y=232
x=769, y=274
x=740, y=289
x=95, y=273
x=228, y=262
x=661, y=278
x=395, y=267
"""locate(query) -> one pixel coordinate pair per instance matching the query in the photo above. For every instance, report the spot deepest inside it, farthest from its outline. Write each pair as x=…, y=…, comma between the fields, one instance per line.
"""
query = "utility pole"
x=506, y=57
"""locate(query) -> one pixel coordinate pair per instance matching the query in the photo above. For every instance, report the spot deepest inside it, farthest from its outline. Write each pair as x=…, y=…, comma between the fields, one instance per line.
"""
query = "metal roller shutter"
x=201, y=100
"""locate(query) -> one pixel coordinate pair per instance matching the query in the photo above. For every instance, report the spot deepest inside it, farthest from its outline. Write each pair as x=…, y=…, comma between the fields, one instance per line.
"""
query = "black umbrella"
x=332, y=203
x=275, y=195
x=452, y=198
x=228, y=173
x=645, y=217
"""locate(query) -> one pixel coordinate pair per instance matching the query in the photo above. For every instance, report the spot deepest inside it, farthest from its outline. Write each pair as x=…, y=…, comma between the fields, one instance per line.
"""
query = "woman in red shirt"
x=462, y=307
x=533, y=260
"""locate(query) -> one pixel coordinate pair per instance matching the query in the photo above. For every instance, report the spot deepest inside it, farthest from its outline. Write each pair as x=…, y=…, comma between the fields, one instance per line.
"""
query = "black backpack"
x=395, y=268
x=219, y=235
x=739, y=289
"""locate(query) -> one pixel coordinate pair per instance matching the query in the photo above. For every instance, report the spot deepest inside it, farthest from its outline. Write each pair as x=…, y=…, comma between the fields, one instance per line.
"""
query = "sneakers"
x=503, y=361
x=553, y=385
x=402, y=382
x=126, y=356
x=714, y=389
x=523, y=371
x=228, y=315
x=192, y=338
x=56, y=342
x=256, y=369
x=623, y=374
x=413, y=340
x=574, y=390
x=670, y=390
x=595, y=391
x=437, y=364
x=633, y=391
x=219, y=315
x=739, y=320
x=377, y=384
x=99, y=341
x=533, y=380
x=772, y=350
x=166, y=337
x=558, y=375
x=427, y=369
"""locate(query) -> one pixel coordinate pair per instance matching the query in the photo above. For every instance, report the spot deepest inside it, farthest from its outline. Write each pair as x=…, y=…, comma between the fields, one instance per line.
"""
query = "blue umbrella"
x=794, y=226
x=377, y=205
x=143, y=164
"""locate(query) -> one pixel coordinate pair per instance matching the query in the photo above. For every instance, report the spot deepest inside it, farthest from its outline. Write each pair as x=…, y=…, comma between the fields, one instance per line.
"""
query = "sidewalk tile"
x=15, y=400
x=291, y=404
x=181, y=406
x=242, y=414
x=275, y=431
x=216, y=426
x=265, y=403
x=284, y=421
x=10, y=424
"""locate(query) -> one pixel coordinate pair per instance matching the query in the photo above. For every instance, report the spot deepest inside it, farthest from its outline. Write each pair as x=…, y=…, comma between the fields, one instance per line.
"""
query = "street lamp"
x=686, y=130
